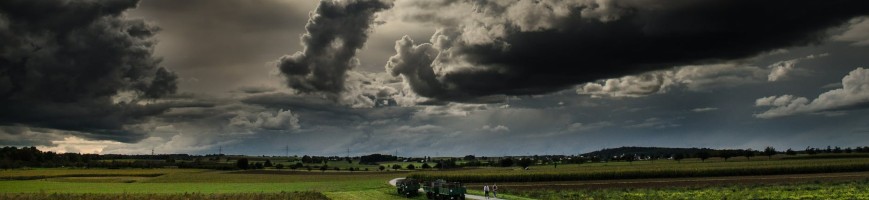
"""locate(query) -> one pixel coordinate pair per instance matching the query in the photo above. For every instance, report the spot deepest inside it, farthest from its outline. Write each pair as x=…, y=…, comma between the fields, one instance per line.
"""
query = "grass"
x=192, y=181
x=647, y=169
x=380, y=194
x=201, y=184
x=818, y=190
x=288, y=184
x=40, y=173
x=307, y=195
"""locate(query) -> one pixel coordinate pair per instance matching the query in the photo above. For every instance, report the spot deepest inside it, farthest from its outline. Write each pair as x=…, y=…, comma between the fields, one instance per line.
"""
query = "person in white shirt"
x=486, y=190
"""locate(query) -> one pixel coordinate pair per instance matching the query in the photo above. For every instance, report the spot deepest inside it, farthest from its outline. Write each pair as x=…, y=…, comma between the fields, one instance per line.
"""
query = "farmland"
x=202, y=184
x=858, y=189
x=800, y=176
x=650, y=169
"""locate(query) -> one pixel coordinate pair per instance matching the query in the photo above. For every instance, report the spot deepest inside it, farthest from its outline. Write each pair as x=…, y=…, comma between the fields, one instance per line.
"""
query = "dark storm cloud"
x=61, y=63
x=335, y=31
x=524, y=47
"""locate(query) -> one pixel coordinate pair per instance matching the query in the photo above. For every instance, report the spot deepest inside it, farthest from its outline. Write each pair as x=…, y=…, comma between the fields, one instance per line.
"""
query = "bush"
x=242, y=163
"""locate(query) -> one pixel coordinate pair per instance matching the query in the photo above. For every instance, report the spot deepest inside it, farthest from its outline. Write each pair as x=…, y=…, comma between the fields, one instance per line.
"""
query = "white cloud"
x=428, y=128
x=73, y=144
x=581, y=127
x=693, y=78
x=854, y=93
x=706, y=109
x=495, y=129
x=451, y=109
x=857, y=33
x=655, y=122
x=281, y=120
x=782, y=69
x=630, y=86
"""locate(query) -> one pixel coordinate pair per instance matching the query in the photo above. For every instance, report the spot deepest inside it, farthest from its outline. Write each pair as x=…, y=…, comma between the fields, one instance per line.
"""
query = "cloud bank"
x=854, y=94
x=335, y=31
x=63, y=61
x=532, y=47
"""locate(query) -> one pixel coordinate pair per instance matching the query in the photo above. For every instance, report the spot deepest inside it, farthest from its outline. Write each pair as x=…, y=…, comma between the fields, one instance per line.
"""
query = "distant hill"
x=647, y=151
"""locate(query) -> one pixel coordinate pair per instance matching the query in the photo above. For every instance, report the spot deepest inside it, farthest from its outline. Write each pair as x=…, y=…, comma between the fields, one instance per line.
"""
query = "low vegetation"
x=818, y=190
x=656, y=169
x=304, y=195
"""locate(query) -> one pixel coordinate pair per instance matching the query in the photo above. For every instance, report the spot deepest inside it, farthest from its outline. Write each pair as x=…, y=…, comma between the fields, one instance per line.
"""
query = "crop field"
x=649, y=169
x=66, y=172
x=858, y=189
x=202, y=184
x=803, y=178
x=306, y=195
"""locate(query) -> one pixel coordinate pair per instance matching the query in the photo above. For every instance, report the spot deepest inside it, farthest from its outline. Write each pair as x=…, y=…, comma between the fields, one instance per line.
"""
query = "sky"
x=431, y=78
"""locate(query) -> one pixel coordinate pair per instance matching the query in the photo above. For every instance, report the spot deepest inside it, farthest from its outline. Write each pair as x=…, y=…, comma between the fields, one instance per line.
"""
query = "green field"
x=819, y=190
x=335, y=185
x=307, y=195
x=168, y=183
x=650, y=169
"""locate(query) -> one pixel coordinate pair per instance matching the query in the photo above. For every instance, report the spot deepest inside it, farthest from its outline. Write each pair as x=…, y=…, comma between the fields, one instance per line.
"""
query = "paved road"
x=467, y=196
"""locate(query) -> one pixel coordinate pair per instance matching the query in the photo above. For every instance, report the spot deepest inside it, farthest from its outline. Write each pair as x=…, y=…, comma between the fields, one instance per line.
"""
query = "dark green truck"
x=441, y=189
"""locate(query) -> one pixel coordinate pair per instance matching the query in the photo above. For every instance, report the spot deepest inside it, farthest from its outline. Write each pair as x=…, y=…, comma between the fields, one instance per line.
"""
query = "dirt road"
x=467, y=196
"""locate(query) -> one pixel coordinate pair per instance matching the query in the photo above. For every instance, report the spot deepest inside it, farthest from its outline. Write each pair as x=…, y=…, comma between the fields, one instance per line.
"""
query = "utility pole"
x=152, y=151
x=220, y=150
x=288, y=151
x=348, y=152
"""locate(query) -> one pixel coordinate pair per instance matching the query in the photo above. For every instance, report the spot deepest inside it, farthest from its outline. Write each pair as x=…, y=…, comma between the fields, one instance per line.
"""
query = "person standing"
x=486, y=190
x=495, y=190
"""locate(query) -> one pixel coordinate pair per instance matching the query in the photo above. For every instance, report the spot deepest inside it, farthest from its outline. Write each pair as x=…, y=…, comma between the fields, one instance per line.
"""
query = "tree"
x=337, y=169
x=525, y=162
x=748, y=154
x=506, y=162
x=381, y=168
x=410, y=167
x=725, y=154
x=811, y=151
x=323, y=168
x=703, y=155
x=769, y=152
x=396, y=167
x=426, y=166
x=268, y=163
x=242, y=163
x=279, y=166
x=790, y=152
x=678, y=157
x=258, y=165
x=629, y=157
